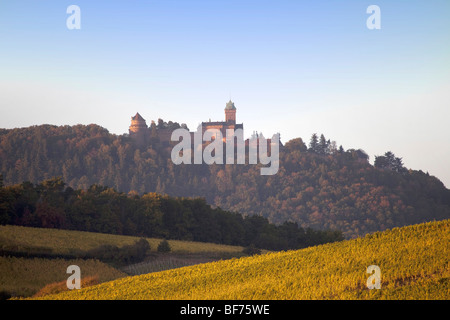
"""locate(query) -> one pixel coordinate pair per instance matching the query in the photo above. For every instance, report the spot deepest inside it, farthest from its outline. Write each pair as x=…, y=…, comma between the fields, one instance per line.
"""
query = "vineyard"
x=414, y=264
x=66, y=241
x=25, y=277
x=33, y=258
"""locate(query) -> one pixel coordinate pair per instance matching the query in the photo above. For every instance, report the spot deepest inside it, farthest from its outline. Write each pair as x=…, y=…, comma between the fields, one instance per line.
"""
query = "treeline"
x=52, y=204
x=319, y=185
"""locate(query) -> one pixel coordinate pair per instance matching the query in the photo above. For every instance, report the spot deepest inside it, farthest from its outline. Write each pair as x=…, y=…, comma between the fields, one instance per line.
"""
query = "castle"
x=266, y=150
x=162, y=132
x=229, y=123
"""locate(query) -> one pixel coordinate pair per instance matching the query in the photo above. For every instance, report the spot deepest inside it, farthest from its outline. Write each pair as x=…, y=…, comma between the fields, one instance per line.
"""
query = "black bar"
x=226, y=309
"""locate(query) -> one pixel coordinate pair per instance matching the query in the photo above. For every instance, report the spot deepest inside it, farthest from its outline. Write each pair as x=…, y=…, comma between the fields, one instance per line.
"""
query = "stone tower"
x=138, y=128
x=230, y=112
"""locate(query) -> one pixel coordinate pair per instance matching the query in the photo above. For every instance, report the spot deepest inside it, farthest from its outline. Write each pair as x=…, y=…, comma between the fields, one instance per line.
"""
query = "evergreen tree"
x=390, y=162
x=323, y=145
x=314, y=143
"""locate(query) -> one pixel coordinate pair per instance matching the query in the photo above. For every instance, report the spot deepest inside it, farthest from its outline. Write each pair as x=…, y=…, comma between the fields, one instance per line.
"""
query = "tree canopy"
x=52, y=204
x=317, y=186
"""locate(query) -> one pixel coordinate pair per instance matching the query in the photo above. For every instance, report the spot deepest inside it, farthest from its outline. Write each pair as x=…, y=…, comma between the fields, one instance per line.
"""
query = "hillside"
x=413, y=262
x=317, y=186
x=32, y=258
x=66, y=241
x=51, y=204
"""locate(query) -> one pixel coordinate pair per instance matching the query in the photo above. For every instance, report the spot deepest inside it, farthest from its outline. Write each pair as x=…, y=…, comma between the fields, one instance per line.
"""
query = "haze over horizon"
x=293, y=67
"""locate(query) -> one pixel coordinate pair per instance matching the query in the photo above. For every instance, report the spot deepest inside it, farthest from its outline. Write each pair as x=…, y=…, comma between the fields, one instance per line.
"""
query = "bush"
x=164, y=246
x=135, y=252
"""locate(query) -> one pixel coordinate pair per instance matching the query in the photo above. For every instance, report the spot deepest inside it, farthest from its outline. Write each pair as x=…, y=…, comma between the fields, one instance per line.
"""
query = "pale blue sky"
x=294, y=67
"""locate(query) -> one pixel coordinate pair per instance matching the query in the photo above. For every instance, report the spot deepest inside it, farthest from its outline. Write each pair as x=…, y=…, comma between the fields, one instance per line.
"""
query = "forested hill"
x=318, y=185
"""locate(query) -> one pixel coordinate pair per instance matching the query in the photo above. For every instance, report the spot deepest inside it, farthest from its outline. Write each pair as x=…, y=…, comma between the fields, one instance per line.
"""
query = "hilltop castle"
x=162, y=132
x=229, y=123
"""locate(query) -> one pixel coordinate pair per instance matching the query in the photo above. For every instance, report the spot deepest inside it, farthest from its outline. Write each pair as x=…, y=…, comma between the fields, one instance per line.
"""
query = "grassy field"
x=414, y=264
x=25, y=277
x=64, y=241
x=21, y=276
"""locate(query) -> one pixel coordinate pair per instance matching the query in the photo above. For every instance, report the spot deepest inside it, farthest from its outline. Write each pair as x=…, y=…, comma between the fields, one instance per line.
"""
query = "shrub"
x=164, y=246
x=135, y=252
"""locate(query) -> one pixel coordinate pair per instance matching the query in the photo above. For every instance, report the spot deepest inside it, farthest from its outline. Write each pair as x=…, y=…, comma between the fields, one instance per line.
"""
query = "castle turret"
x=137, y=124
x=138, y=128
x=230, y=112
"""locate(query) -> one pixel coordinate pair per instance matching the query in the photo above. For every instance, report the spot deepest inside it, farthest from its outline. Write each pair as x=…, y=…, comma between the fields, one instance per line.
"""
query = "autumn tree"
x=390, y=162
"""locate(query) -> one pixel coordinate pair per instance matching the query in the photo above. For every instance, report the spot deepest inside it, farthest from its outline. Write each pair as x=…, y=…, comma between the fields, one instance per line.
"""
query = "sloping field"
x=30, y=257
x=65, y=241
x=414, y=264
x=24, y=277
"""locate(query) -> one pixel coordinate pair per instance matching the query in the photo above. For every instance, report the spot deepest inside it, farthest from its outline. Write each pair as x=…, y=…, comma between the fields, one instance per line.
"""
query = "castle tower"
x=137, y=124
x=138, y=129
x=230, y=112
